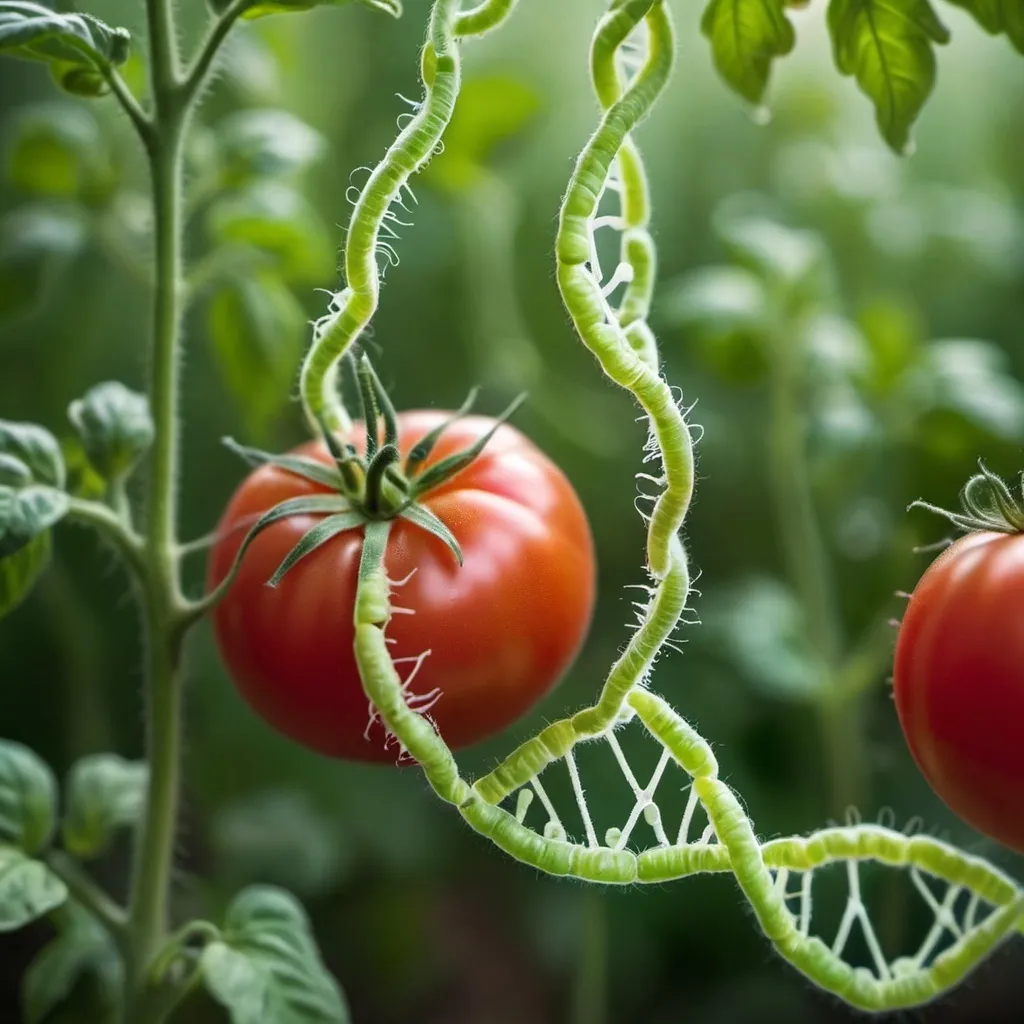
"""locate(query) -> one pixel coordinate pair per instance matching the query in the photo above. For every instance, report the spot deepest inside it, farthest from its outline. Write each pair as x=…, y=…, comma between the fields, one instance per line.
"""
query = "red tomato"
x=959, y=681
x=501, y=629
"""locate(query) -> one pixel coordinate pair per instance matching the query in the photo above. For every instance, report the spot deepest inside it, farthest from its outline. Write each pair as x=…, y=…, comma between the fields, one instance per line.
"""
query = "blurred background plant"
x=849, y=320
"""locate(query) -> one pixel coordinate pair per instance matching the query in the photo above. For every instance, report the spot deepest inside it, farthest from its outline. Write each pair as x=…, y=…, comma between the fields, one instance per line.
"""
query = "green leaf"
x=267, y=967
x=115, y=427
x=13, y=472
x=717, y=300
x=37, y=448
x=265, y=7
x=77, y=47
x=794, y=264
x=272, y=216
x=763, y=629
x=28, y=798
x=746, y=36
x=19, y=572
x=104, y=792
x=28, y=513
x=265, y=144
x=35, y=242
x=970, y=378
x=997, y=16
x=82, y=947
x=28, y=888
x=836, y=349
x=257, y=328
x=56, y=152
x=491, y=110
x=888, y=48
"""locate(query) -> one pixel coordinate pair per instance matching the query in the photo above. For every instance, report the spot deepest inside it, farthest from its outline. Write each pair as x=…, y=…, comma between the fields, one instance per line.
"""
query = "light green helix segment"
x=973, y=906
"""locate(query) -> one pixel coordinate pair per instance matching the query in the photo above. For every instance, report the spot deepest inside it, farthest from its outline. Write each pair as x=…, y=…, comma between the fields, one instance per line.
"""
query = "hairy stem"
x=153, y=857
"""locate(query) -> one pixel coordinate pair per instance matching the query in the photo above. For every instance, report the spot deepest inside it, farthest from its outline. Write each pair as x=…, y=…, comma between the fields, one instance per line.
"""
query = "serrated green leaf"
x=115, y=427
x=19, y=572
x=996, y=16
x=267, y=967
x=257, y=328
x=56, y=151
x=273, y=217
x=104, y=792
x=81, y=948
x=28, y=888
x=77, y=47
x=35, y=241
x=27, y=513
x=28, y=798
x=746, y=36
x=265, y=144
x=888, y=48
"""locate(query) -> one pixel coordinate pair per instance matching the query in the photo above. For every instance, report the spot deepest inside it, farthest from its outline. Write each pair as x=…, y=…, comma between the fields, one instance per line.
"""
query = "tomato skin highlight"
x=502, y=629
x=959, y=681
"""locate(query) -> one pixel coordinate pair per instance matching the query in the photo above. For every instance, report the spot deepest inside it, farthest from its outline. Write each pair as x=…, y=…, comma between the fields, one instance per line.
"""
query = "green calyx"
x=376, y=486
x=988, y=505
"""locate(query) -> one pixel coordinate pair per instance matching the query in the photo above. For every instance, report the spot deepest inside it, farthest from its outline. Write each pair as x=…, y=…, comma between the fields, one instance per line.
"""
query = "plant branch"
x=86, y=892
x=198, y=72
x=139, y=118
x=115, y=529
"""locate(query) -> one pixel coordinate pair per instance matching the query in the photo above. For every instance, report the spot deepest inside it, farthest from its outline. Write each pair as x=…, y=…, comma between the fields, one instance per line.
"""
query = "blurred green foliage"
x=910, y=278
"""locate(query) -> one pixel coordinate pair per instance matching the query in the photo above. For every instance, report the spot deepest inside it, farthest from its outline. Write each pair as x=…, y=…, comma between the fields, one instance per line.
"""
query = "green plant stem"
x=808, y=566
x=153, y=857
x=590, y=992
x=197, y=74
x=86, y=892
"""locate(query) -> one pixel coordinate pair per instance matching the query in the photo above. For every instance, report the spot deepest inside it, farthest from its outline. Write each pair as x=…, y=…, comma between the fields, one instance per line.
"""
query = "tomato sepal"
x=988, y=505
x=314, y=537
x=301, y=465
x=421, y=516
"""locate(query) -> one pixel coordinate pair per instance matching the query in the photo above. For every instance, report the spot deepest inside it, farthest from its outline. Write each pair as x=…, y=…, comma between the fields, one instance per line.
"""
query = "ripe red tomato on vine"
x=959, y=669
x=501, y=629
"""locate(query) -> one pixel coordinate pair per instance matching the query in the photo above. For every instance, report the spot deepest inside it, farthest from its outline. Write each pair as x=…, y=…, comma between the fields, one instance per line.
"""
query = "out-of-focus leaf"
x=888, y=48
x=257, y=329
x=56, y=151
x=970, y=378
x=791, y=261
x=28, y=798
x=894, y=335
x=37, y=448
x=77, y=47
x=272, y=216
x=998, y=16
x=764, y=631
x=841, y=422
x=81, y=948
x=251, y=66
x=746, y=36
x=836, y=348
x=20, y=571
x=265, y=7
x=724, y=310
x=104, y=792
x=264, y=144
x=491, y=109
x=27, y=513
x=28, y=888
x=267, y=967
x=280, y=837
x=35, y=241
x=114, y=425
